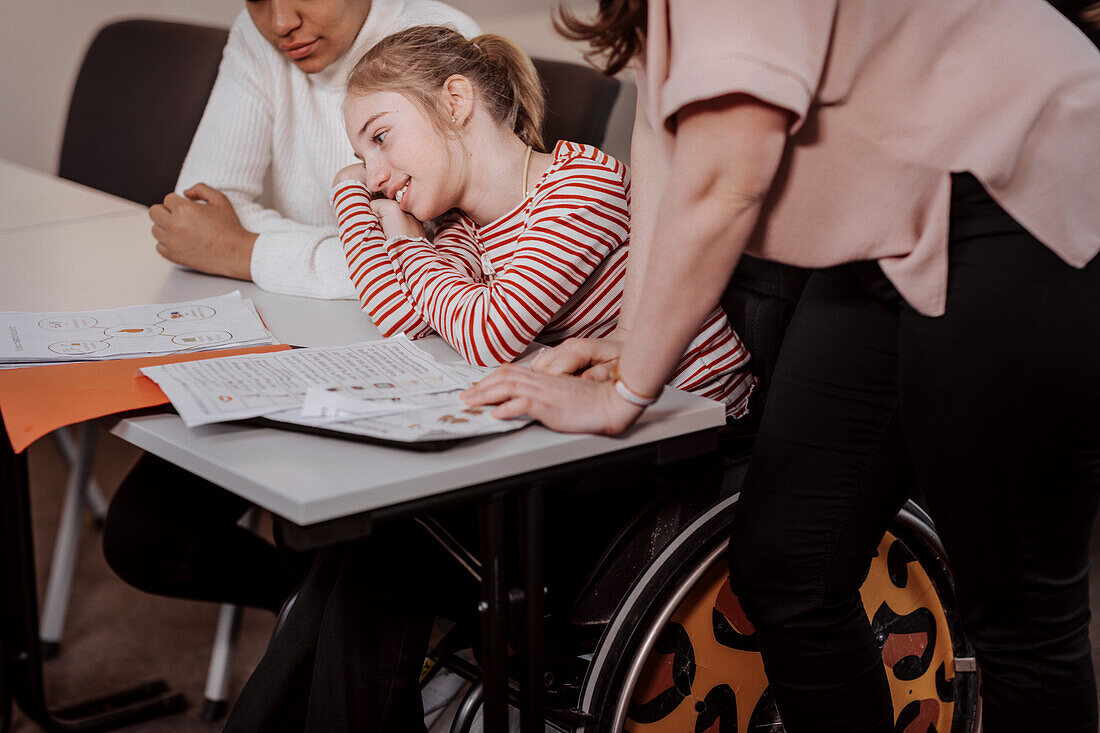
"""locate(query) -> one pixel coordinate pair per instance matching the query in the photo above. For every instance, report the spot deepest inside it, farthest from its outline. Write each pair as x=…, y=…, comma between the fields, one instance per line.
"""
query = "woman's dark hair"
x=617, y=32
x=417, y=61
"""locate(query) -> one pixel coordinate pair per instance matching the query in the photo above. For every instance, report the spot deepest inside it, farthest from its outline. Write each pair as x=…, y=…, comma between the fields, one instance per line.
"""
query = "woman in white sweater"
x=275, y=109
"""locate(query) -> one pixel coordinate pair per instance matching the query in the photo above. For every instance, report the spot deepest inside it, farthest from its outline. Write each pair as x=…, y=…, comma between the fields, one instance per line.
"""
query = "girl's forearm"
x=372, y=274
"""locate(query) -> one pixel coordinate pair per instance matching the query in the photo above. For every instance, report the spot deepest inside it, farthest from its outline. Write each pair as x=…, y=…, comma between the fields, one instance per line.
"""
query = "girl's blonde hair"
x=417, y=61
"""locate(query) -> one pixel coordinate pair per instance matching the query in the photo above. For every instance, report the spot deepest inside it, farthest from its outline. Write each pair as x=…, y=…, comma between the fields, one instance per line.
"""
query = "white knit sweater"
x=265, y=116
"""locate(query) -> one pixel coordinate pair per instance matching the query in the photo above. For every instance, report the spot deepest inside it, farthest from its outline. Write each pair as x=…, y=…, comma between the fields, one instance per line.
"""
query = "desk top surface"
x=106, y=259
x=111, y=262
x=30, y=198
x=309, y=479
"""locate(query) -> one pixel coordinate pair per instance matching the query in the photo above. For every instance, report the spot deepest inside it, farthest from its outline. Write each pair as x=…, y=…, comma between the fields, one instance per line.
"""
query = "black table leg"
x=5, y=691
x=21, y=664
x=494, y=612
x=532, y=571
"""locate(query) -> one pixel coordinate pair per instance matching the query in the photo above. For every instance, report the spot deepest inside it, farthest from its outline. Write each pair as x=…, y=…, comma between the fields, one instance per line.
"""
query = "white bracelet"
x=633, y=397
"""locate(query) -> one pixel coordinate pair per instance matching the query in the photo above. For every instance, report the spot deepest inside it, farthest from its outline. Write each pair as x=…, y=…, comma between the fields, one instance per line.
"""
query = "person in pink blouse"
x=933, y=160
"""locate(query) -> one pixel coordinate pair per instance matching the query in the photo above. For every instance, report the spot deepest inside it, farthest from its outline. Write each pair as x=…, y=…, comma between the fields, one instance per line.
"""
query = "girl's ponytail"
x=527, y=108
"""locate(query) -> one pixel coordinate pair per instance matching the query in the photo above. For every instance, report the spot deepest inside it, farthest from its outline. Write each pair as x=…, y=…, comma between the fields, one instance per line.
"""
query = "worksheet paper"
x=224, y=321
x=448, y=421
x=386, y=388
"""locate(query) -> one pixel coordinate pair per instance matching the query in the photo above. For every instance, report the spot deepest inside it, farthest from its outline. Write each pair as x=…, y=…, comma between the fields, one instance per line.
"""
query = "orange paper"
x=38, y=400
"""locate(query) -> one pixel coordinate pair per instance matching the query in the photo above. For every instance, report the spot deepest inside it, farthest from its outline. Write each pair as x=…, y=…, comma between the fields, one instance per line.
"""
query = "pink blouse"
x=888, y=98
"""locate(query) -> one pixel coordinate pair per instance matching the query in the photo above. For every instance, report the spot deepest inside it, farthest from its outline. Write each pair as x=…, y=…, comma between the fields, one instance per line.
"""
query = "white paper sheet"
x=251, y=385
x=224, y=321
x=333, y=403
x=385, y=389
x=445, y=422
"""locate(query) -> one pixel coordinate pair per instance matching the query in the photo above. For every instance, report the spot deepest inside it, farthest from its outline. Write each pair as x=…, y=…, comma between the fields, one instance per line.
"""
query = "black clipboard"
x=419, y=445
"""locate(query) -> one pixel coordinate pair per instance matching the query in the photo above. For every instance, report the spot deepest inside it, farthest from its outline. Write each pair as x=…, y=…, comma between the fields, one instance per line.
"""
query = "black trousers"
x=172, y=533
x=994, y=408
x=348, y=652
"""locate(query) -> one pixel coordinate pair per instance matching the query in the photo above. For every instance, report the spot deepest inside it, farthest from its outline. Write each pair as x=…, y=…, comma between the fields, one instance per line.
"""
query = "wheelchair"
x=656, y=642
x=678, y=655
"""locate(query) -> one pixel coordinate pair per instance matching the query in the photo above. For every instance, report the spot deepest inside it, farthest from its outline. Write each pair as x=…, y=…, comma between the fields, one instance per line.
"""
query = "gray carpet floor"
x=116, y=637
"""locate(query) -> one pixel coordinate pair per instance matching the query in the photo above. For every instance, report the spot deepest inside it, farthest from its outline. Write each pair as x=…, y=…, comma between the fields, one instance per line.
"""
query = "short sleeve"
x=773, y=50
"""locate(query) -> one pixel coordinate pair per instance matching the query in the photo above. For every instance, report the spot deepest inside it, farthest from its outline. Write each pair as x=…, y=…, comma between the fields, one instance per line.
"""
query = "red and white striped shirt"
x=556, y=265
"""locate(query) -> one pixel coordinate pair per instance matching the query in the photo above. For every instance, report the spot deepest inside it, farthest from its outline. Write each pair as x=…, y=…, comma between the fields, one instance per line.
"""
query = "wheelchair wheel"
x=679, y=655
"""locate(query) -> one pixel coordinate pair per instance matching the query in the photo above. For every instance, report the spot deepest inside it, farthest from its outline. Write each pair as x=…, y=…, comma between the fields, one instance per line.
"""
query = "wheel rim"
x=699, y=666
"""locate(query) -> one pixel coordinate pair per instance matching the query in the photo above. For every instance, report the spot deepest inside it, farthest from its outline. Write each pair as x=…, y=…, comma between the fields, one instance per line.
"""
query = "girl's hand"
x=562, y=403
x=594, y=359
x=354, y=172
x=394, y=221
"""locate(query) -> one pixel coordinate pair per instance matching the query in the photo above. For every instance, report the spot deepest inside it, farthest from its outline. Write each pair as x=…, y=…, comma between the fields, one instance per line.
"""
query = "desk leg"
x=532, y=571
x=5, y=691
x=21, y=665
x=494, y=613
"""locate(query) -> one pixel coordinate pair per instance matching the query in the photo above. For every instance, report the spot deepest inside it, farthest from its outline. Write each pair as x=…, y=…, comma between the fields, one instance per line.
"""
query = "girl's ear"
x=458, y=98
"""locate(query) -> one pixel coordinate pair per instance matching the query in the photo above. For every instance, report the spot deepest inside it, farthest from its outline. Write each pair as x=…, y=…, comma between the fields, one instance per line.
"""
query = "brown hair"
x=417, y=61
x=617, y=32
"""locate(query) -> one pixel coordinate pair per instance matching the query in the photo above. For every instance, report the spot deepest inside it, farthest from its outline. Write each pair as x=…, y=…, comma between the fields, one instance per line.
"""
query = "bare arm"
x=648, y=170
x=725, y=155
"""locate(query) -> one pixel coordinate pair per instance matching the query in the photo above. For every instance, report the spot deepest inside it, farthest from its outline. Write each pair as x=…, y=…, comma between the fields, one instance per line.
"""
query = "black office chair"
x=578, y=102
x=138, y=98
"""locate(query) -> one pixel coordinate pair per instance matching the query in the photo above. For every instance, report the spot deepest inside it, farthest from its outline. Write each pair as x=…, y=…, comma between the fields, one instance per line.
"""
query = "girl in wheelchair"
x=520, y=244
x=457, y=222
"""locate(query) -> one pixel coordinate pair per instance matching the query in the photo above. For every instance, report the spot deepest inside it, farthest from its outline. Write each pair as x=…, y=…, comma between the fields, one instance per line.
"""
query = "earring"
x=454, y=120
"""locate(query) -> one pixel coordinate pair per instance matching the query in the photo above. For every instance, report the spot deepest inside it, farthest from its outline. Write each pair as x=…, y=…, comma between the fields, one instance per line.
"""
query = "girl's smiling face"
x=406, y=157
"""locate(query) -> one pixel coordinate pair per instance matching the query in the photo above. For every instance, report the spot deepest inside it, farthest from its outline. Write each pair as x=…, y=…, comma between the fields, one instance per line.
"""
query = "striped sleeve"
x=372, y=273
x=456, y=243
x=578, y=217
x=715, y=365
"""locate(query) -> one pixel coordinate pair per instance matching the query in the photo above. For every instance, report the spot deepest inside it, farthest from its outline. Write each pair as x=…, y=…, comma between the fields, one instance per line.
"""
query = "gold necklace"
x=486, y=263
x=526, y=170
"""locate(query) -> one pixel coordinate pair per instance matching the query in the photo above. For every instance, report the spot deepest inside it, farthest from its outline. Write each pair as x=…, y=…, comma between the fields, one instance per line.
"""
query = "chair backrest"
x=578, y=102
x=138, y=98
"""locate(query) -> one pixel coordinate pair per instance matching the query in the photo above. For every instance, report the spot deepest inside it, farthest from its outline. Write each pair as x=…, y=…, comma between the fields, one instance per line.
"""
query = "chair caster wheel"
x=213, y=709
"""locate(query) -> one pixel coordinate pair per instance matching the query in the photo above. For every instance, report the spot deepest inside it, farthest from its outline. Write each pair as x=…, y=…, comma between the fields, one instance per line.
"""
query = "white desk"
x=106, y=259
x=309, y=479
x=108, y=263
x=30, y=198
